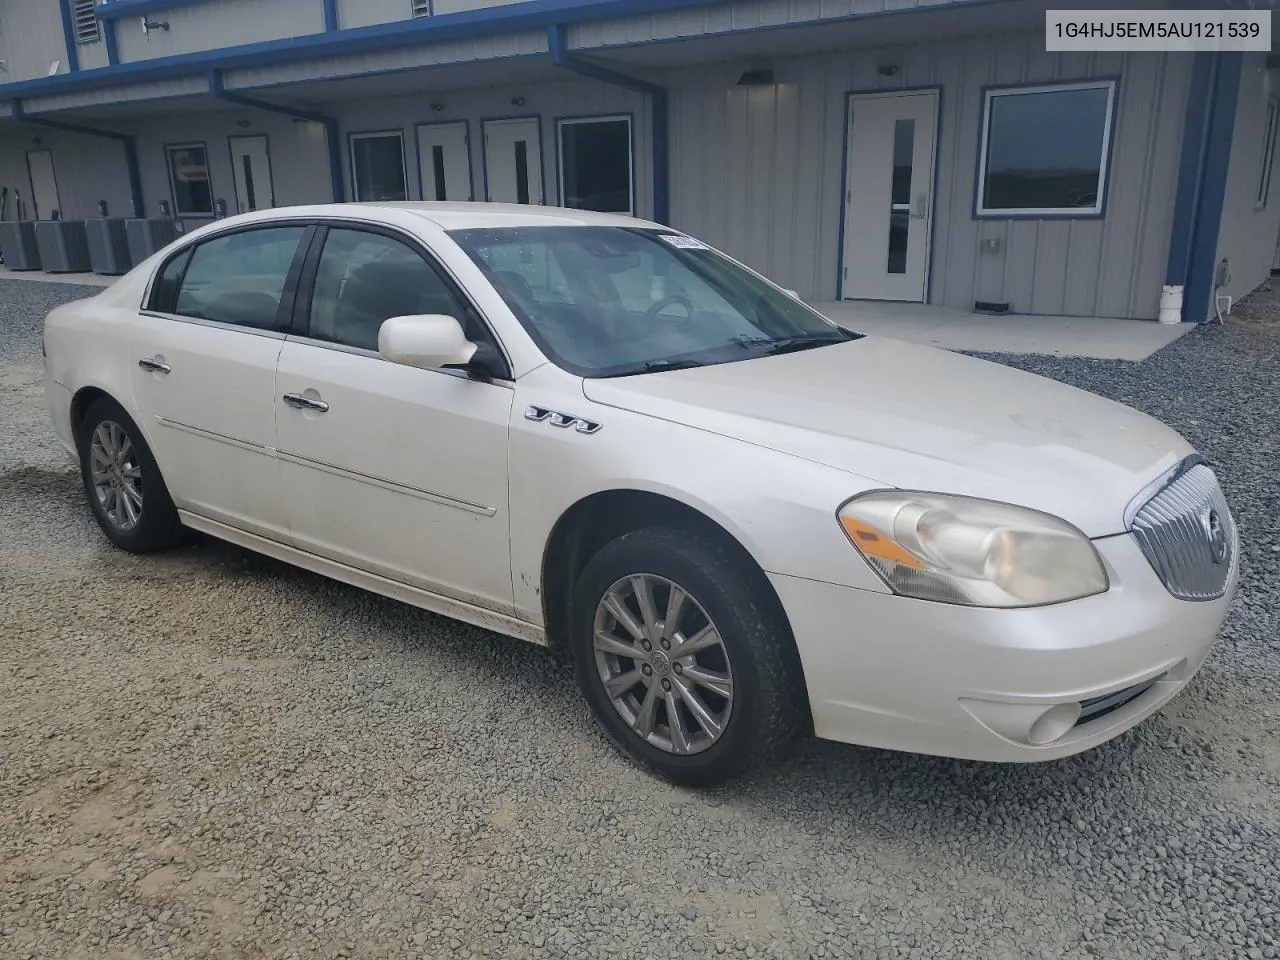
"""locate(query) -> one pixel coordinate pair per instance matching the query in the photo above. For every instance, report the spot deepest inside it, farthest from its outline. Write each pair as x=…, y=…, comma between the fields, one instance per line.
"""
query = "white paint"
x=454, y=144
x=251, y=171
x=504, y=142
x=870, y=213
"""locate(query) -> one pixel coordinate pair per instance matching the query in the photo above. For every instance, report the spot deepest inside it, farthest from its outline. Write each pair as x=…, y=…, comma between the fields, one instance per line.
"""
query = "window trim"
x=1099, y=210
x=1267, y=172
x=173, y=180
x=288, y=296
x=298, y=326
x=562, y=122
x=398, y=133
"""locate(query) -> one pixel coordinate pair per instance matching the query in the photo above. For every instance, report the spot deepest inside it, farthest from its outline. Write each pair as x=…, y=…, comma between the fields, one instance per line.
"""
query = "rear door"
x=204, y=366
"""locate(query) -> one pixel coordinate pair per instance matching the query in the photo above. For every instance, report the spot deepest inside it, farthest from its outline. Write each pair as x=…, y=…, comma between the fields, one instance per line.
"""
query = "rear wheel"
x=685, y=657
x=126, y=493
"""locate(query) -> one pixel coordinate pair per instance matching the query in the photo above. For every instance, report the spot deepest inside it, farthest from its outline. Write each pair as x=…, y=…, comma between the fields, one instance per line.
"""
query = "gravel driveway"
x=209, y=754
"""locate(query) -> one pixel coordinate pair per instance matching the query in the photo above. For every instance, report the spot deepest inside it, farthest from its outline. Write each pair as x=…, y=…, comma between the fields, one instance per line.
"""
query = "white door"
x=513, y=160
x=251, y=165
x=888, y=218
x=44, y=186
x=444, y=161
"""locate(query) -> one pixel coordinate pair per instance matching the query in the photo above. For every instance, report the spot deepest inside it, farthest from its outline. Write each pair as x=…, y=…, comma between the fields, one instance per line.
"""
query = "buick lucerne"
x=740, y=521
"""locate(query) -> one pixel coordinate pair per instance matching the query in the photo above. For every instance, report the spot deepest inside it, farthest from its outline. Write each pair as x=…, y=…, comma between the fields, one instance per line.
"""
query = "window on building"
x=1045, y=150
x=86, y=22
x=377, y=164
x=364, y=279
x=422, y=8
x=189, y=174
x=1268, y=152
x=595, y=164
x=239, y=278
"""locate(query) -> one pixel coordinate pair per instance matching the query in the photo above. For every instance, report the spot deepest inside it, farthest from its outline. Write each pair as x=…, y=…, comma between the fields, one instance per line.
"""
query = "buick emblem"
x=1217, y=537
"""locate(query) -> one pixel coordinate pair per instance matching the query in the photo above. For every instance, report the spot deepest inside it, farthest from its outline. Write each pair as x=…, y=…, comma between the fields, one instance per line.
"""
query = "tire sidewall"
x=158, y=519
x=638, y=553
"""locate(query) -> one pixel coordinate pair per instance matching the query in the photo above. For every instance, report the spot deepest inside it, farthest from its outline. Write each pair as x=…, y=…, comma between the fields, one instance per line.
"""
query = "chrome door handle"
x=154, y=365
x=300, y=402
x=922, y=206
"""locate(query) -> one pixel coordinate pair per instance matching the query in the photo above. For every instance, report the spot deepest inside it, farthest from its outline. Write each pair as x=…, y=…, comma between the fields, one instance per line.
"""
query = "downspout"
x=332, y=136
x=659, y=110
x=1195, y=141
x=126, y=140
x=1203, y=263
x=330, y=15
x=69, y=36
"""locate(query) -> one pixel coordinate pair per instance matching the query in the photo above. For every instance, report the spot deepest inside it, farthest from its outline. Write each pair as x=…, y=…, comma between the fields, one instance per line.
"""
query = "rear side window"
x=164, y=294
x=239, y=278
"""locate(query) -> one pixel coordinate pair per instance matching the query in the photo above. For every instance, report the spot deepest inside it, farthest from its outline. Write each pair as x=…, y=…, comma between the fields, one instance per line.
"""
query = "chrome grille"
x=1187, y=534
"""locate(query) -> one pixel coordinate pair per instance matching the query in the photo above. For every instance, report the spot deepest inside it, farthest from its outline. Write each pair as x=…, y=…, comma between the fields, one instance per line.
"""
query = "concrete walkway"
x=960, y=330
x=920, y=323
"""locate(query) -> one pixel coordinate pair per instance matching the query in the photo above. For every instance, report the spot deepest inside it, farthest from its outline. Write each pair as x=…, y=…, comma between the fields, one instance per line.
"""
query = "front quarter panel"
x=780, y=508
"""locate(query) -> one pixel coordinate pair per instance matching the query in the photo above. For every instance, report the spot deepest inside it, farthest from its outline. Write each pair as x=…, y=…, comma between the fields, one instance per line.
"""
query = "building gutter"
x=332, y=136
x=1202, y=181
x=127, y=141
x=659, y=108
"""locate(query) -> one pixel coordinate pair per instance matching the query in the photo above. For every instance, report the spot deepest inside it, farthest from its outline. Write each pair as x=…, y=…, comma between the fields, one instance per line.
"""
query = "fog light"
x=1054, y=723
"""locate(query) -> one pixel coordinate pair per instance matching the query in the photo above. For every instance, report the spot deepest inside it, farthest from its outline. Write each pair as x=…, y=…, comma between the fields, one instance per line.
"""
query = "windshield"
x=615, y=301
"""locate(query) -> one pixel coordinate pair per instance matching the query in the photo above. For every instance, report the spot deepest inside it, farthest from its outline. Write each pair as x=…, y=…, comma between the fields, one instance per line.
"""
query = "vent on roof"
x=87, y=29
x=422, y=8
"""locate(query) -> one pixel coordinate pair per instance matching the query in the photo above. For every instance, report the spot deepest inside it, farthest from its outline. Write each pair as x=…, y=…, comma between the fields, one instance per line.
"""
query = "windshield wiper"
x=656, y=366
x=777, y=345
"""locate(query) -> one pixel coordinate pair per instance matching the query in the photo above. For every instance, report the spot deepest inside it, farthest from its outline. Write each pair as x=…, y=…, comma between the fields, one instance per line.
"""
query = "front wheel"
x=685, y=657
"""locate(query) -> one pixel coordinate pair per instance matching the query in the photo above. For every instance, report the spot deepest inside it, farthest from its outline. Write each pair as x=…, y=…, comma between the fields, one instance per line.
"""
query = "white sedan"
x=591, y=432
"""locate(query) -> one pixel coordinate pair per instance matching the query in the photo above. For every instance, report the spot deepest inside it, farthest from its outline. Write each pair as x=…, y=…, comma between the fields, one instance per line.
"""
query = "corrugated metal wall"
x=548, y=101
x=759, y=172
x=215, y=24
x=1249, y=232
x=87, y=169
x=31, y=39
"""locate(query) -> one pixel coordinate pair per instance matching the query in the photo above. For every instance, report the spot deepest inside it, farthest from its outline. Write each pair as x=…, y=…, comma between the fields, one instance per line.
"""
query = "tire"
x=768, y=706
x=142, y=519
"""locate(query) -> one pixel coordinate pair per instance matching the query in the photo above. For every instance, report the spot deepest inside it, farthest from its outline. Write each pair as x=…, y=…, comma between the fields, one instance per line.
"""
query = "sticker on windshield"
x=682, y=243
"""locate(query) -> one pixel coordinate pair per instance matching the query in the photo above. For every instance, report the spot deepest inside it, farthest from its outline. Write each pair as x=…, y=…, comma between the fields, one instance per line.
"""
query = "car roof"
x=462, y=216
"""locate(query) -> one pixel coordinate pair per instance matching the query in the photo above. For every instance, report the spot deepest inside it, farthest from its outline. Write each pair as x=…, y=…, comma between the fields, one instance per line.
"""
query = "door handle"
x=922, y=206
x=302, y=402
x=155, y=365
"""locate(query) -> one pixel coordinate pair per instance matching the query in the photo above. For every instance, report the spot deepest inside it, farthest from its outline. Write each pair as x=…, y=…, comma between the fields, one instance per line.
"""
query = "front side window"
x=1045, y=150
x=595, y=164
x=239, y=278
x=377, y=163
x=1268, y=153
x=189, y=174
x=364, y=279
x=613, y=301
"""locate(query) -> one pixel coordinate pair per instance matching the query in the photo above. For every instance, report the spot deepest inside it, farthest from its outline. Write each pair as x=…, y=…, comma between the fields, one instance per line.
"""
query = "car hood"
x=902, y=415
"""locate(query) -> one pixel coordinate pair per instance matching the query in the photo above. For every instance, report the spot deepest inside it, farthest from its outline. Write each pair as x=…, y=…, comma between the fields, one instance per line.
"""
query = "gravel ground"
x=208, y=754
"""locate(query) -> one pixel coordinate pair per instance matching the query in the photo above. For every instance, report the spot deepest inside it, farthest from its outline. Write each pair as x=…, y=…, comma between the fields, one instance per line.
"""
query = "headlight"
x=975, y=552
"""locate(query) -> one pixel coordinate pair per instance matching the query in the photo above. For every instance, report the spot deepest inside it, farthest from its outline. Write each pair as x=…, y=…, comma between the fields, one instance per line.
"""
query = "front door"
x=513, y=160
x=888, y=217
x=251, y=165
x=395, y=470
x=444, y=161
x=44, y=185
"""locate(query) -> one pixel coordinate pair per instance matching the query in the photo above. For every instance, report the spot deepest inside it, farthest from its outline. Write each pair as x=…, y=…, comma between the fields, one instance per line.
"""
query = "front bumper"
x=887, y=671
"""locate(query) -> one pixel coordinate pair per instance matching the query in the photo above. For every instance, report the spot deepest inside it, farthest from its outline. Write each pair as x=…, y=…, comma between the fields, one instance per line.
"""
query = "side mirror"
x=430, y=341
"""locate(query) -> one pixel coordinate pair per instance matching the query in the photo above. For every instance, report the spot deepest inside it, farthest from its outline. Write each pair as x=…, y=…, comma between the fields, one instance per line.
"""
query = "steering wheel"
x=653, y=312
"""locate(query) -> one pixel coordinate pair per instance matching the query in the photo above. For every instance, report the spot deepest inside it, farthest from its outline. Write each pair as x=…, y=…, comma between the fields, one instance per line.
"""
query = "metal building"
x=907, y=150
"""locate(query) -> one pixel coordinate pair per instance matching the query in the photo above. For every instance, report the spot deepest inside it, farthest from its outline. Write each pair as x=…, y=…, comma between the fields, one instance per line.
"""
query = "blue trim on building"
x=126, y=140
x=505, y=18
x=331, y=15
x=333, y=138
x=114, y=9
x=1195, y=134
x=659, y=103
x=1203, y=266
x=69, y=35
x=110, y=42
